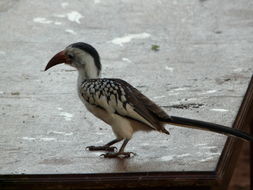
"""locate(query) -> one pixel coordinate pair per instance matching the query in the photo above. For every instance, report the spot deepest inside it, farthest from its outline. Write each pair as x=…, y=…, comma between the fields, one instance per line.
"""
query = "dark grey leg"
x=120, y=153
x=113, y=142
x=123, y=145
x=106, y=147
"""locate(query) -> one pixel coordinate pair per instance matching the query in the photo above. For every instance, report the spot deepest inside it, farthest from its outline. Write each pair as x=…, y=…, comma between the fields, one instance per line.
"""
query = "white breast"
x=121, y=126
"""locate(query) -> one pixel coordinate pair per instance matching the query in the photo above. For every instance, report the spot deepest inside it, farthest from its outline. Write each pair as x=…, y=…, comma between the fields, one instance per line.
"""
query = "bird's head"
x=82, y=56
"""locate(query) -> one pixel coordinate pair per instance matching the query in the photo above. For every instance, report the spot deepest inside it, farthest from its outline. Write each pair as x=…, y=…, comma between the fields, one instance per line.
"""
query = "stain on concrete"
x=231, y=77
x=186, y=106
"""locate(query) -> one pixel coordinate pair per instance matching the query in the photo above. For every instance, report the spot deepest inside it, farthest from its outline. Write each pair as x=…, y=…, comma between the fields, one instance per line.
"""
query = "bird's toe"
x=102, y=148
x=121, y=155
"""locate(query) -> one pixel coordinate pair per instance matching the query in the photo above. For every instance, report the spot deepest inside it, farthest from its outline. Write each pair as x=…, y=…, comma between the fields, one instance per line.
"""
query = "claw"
x=121, y=155
x=105, y=148
x=134, y=154
x=114, y=148
x=89, y=147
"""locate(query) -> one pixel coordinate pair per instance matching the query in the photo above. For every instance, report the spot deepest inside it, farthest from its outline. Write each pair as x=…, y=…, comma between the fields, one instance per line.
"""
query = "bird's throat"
x=84, y=74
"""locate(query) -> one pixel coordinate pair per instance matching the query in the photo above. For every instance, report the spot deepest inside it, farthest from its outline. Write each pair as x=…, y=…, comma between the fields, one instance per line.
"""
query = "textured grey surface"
x=204, y=65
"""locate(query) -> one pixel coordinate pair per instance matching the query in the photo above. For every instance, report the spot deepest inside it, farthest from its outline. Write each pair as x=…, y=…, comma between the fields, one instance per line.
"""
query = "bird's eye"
x=70, y=56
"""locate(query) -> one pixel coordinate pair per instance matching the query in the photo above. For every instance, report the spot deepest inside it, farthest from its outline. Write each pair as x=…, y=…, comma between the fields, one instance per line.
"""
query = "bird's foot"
x=118, y=155
x=105, y=148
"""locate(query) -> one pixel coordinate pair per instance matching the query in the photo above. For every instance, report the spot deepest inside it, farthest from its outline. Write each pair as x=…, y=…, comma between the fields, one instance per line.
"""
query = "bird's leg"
x=106, y=147
x=120, y=153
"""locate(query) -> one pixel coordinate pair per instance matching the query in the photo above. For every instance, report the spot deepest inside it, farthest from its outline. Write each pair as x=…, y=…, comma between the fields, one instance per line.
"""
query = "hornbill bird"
x=120, y=105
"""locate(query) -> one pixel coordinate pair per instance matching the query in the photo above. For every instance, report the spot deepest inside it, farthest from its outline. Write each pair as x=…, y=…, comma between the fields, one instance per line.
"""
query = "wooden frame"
x=218, y=179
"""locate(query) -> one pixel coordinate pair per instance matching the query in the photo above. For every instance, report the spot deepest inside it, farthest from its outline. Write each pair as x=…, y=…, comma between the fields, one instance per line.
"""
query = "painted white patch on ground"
x=238, y=70
x=59, y=108
x=70, y=31
x=100, y=133
x=213, y=153
x=209, y=147
x=67, y=116
x=181, y=89
x=207, y=159
x=126, y=60
x=128, y=38
x=47, y=139
x=74, y=16
x=209, y=92
x=1, y=92
x=158, y=97
x=28, y=138
x=167, y=158
x=60, y=133
x=169, y=69
x=57, y=23
x=183, y=155
x=40, y=139
x=64, y=4
x=42, y=20
x=203, y=144
x=219, y=110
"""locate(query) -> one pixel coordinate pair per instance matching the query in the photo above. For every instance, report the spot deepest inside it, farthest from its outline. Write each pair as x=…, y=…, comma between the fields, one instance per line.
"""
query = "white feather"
x=121, y=127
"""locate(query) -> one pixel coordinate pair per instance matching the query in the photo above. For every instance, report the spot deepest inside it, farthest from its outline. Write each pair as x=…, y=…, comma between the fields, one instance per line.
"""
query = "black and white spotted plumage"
x=116, y=96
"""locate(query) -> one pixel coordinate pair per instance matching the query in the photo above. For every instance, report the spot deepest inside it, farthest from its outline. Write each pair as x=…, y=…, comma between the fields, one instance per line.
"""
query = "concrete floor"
x=201, y=71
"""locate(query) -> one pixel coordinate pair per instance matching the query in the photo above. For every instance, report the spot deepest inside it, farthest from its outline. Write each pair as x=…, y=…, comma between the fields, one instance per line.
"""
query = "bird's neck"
x=86, y=73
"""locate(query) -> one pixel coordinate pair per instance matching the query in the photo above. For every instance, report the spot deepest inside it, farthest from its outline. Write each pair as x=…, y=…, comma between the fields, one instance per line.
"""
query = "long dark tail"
x=202, y=125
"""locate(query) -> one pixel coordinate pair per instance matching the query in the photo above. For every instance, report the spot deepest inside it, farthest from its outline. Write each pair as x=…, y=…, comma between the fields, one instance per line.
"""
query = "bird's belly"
x=121, y=126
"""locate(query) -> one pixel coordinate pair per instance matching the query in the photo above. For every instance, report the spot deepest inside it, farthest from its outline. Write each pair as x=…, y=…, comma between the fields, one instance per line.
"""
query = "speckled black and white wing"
x=117, y=96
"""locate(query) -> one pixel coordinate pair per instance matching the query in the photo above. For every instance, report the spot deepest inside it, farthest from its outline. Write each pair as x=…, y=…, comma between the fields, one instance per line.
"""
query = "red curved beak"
x=57, y=59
